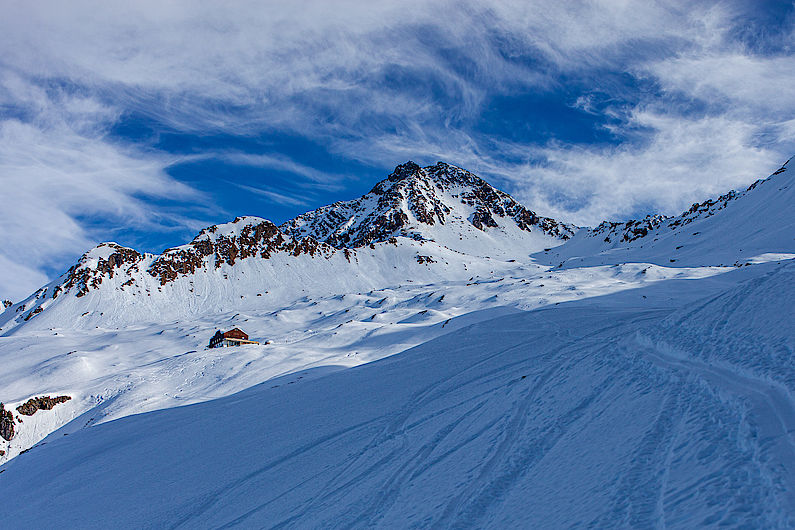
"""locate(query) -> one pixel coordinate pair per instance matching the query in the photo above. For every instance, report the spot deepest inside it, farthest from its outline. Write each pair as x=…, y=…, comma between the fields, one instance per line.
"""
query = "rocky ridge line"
x=628, y=231
x=384, y=211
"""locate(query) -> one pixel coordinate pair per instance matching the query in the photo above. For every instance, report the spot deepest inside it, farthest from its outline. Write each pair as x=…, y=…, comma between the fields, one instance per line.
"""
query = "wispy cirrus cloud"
x=682, y=100
x=275, y=196
x=316, y=177
x=59, y=175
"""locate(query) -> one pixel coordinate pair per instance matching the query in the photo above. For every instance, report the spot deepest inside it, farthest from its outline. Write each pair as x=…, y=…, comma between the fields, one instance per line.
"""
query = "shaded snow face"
x=551, y=418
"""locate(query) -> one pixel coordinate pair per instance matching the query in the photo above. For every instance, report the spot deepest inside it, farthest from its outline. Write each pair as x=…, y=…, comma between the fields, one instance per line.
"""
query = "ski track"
x=771, y=409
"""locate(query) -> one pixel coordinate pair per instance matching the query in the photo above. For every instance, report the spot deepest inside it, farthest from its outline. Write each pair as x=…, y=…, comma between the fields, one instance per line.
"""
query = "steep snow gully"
x=451, y=371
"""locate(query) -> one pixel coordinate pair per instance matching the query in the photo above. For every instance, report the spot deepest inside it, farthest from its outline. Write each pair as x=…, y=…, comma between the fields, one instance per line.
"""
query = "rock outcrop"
x=33, y=405
x=6, y=424
x=102, y=261
x=245, y=237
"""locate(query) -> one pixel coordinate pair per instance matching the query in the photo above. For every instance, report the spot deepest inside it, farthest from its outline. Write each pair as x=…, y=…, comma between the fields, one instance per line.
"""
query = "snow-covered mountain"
x=441, y=203
x=424, y=224
x=431, y=354
x=742, y=227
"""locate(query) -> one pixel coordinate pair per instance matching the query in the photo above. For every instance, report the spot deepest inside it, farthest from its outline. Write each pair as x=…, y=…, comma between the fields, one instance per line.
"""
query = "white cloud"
x=18, y=280
x=732, y=77
x=325, y=180
x=279, y=198
x=685, y=161
x=57, y=170
x=379, y=82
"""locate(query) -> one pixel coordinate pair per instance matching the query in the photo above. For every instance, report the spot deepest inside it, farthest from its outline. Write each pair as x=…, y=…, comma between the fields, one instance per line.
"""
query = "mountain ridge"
x=733, y=229
x=430, y=215
x=412, y=196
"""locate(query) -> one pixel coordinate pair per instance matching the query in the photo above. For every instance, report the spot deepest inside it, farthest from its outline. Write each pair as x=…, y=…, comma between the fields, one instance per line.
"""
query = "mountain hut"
x=233, y=337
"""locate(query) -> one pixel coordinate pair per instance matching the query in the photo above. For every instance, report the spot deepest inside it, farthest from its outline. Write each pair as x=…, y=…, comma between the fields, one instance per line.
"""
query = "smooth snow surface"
x=572, y=415
x=482, y=388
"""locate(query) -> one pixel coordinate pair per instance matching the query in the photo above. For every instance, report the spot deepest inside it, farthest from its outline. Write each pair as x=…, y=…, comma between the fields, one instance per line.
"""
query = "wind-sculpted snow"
x=717, y=332
x=554, y=418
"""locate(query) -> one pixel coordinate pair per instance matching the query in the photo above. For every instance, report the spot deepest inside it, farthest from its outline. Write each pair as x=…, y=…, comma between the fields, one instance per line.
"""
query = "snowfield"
x=582, y=386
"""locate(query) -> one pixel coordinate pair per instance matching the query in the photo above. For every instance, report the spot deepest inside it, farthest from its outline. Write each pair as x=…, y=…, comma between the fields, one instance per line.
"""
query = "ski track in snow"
x=594, y=385
x=772, y=413
x=478, y=440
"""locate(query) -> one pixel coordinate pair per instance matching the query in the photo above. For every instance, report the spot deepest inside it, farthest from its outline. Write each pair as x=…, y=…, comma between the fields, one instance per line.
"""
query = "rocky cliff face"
x=103, y=261
x=35, y=404
x=6, y=424
x=411, y=201
x=245, y=237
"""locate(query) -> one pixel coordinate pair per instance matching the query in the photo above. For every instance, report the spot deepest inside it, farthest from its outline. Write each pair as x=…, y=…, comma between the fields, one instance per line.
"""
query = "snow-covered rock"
x=440, y=203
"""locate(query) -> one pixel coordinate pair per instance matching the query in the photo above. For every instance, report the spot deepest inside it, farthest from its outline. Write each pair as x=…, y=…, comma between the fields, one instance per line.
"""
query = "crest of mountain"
x=423, y=219
x=429, y=224
x=441, y=203
x=738, y=227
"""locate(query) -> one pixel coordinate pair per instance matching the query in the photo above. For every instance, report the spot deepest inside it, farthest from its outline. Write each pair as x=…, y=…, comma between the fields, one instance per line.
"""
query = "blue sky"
x=142, y=124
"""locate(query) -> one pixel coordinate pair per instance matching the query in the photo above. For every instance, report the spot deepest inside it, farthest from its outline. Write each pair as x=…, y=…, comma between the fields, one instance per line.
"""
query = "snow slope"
x=574, y=415
x=424, y=362
x=115, y=371
x=751, y=226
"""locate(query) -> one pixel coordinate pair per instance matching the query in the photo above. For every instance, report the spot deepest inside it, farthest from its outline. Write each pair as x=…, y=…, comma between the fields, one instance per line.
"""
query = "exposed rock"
x=403, y=171
x=628, y=231
x=482, y=218
x=33, y=313
x=259, y=238
x=32, y=405
x=6, y=424
x=412, y=191
x=89, y=271
x=7, y=304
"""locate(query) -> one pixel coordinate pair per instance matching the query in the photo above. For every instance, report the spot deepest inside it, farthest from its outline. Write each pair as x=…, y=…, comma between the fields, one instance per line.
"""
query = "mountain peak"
x=441, y=203
x=403, y=171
